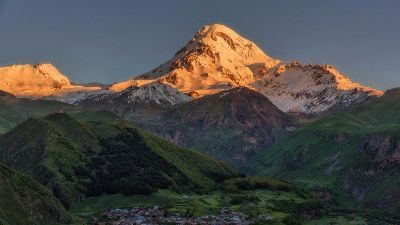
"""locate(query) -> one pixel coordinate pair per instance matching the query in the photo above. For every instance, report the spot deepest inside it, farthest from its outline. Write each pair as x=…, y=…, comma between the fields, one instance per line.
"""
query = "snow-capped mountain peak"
x=231, y=46
x=40, y=81
x=217, y=58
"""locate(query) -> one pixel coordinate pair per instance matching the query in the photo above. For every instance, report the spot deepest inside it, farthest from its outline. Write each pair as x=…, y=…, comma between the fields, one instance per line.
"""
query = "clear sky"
x=112, y=40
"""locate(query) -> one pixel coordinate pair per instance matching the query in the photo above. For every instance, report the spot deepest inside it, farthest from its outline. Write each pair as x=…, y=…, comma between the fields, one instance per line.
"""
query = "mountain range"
x=219, y=112
x=60, y=165
x=215, y=59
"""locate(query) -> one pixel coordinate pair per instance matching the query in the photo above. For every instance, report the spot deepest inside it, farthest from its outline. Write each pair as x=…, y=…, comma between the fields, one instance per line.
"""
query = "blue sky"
x=106, y=41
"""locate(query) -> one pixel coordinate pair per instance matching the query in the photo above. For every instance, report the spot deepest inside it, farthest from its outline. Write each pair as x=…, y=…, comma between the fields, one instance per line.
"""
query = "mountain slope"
x=217, y=58
x=14, y=111
x=41, y=80
x=383, y=110
x=138, y=102
x=355, y=154
x=75, y=158
x=232, y=125
x=24, y=201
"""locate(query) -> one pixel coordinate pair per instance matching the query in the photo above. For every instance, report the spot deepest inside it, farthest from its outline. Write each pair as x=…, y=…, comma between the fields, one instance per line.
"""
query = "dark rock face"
x=377, y=163
x=341, y=138
x=356, y=188
x=294, y=163
x=377, y=153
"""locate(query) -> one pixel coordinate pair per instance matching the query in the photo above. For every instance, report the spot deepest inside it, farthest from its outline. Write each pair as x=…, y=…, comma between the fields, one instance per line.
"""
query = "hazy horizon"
x=105, y=41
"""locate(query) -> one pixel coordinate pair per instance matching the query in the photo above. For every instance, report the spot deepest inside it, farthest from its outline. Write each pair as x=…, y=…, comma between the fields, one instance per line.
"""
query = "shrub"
x=255, y=183
x=238, y=199
x=292, y=220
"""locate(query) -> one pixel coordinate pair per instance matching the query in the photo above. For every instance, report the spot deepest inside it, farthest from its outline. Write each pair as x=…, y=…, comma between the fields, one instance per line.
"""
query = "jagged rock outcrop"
x=377, y=153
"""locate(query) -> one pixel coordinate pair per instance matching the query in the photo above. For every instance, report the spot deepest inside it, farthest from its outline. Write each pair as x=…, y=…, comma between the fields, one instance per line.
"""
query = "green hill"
x=356, y=154
x=74, y=158
x=14, y=111
x=24, y=201
x=383, y=110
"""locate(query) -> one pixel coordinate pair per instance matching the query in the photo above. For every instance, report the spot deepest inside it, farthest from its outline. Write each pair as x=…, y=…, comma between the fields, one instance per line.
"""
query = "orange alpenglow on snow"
x=214, y=60
x=217, y=59
x=215, y=55
x=37, y=81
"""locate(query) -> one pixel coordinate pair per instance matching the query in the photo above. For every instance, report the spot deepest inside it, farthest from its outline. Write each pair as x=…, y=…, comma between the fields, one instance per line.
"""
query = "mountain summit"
x=217, y=59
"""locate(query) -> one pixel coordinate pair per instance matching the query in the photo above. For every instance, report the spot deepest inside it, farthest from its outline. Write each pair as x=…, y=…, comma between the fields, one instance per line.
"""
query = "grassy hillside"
x=24, y=201
x=74, y=158
x=354, y=154
x=14, y=111
x=383, y=110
